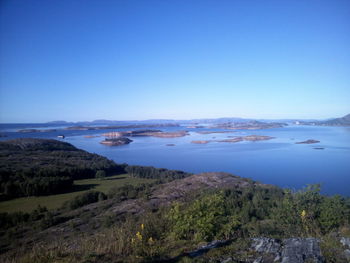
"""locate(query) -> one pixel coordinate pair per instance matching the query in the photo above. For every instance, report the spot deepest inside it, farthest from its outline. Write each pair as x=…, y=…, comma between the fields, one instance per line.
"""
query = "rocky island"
x=91, y=136
x=210, y=132
x=36, y=130
x=152, y=133
x=116, y=141
x=310, y=141
x=252, y=138
x=201, y=141
x=250, y=125
x=132, y=126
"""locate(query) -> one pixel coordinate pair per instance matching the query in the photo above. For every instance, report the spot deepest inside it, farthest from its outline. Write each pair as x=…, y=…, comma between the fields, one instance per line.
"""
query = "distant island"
x=116, y=141
x=85, y=128
x=36, y=130
x=250, y=125
x=310, y=141
x=252, y=138
x=152, y=133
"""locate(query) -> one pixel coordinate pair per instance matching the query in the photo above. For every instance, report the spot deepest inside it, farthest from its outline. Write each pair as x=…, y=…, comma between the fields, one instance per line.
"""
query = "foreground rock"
x=290, y=250
x=116, y=141
x=345, y=241
x=310, y=141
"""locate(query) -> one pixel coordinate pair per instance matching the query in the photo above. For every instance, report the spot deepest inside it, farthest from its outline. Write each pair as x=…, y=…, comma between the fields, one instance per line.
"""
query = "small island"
x=116, y=141
x=91, y=136
x=310, y=141
x=252, y=138
x=200, y=142
x=36, y=130
x=152, y=133
x=250, y=125
x=195, y=127
x=132, y=126
x=210, y=132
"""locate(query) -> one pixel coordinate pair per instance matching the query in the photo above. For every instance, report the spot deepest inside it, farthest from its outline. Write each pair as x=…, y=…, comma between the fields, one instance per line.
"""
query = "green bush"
x=85, y=199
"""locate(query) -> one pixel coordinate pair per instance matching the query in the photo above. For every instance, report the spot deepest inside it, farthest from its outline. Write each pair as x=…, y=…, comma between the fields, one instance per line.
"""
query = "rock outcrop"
x=290, y=250
x=345, y=241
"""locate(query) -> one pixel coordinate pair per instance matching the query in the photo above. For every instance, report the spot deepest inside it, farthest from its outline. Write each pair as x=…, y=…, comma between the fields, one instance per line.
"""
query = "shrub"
x=85, y=199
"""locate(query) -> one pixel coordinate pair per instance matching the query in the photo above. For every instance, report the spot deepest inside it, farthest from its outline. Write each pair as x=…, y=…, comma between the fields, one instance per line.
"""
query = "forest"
x=33, y=167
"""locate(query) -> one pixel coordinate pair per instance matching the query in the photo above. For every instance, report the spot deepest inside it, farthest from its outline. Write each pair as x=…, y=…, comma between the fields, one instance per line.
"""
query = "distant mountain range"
x=343, y=121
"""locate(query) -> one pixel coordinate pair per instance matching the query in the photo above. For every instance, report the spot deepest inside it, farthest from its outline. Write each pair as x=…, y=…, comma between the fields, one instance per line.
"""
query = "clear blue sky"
x=85, y=60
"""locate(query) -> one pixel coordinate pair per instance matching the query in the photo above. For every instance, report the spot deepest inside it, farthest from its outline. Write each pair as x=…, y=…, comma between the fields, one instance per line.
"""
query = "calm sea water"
x=279, y=161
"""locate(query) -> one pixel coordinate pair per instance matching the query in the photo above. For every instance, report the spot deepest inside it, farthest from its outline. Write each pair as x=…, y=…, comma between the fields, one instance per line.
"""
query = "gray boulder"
x=345, y=241
x=298, y=250
x=290, y=250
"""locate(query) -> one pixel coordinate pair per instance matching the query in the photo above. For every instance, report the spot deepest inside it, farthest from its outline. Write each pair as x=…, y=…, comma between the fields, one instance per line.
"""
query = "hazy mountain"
x=343, y=121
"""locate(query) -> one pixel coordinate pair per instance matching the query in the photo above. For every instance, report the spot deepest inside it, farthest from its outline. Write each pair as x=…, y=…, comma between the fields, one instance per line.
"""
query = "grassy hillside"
x=28, y=204
x=167, y=221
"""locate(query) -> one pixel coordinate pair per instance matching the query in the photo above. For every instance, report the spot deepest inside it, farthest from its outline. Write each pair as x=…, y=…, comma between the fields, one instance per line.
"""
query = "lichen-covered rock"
x=298, y=250
x=290, y=250
x=266, y=245
x=345, y=241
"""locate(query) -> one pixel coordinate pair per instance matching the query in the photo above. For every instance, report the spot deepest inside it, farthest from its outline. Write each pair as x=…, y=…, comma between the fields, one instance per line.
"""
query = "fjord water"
x=278, y=161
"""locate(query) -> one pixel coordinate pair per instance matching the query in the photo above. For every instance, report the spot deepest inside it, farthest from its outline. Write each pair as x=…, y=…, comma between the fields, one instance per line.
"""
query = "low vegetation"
x=220, y=214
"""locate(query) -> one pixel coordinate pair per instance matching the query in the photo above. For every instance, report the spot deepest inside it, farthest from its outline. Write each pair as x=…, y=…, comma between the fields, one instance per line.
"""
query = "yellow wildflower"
x=132, y=240
x=303, y=214
x=142, y=226
x=139, y=236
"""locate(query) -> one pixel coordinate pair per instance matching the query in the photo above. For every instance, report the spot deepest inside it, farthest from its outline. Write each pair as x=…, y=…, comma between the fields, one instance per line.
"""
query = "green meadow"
x=28, y=204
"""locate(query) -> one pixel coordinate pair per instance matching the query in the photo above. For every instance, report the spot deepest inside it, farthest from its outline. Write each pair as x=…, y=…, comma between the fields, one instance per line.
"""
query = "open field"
x=27, y=204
